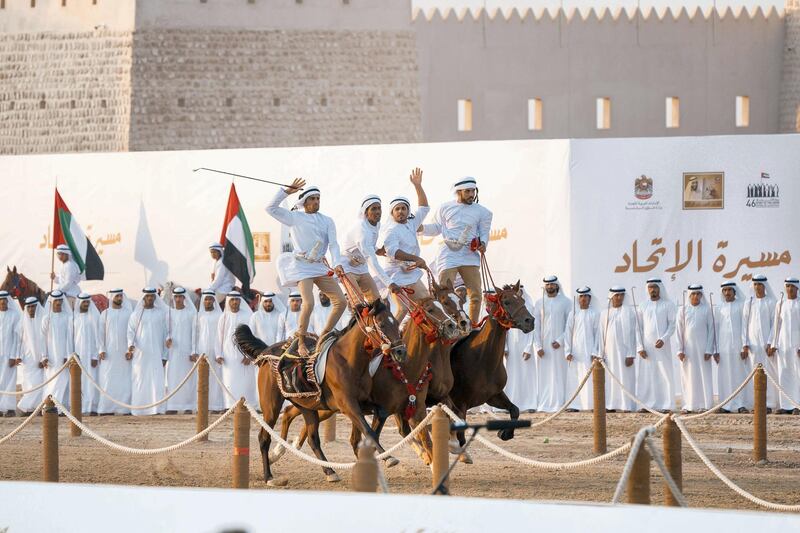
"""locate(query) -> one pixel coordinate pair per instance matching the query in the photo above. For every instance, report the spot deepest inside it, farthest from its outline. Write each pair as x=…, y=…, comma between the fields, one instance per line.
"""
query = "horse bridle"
x=505, y=319
x=19, y=284
x=432, y=327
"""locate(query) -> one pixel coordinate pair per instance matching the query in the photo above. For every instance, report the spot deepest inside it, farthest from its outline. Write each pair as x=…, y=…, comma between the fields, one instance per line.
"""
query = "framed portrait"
x=261, y=245
x=703, y=190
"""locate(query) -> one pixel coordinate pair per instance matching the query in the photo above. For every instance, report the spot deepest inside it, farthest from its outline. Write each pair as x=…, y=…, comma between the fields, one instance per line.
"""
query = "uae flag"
x=237, y=240
x=67, y=231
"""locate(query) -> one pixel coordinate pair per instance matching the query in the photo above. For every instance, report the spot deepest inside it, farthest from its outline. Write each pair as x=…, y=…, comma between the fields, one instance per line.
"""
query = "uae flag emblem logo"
x=643, y=187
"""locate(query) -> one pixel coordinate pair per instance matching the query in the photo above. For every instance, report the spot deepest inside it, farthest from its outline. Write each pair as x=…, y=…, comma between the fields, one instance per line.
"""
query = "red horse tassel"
x=413, y=390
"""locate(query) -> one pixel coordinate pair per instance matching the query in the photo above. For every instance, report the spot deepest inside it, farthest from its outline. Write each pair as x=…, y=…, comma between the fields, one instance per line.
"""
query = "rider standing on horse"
x=222, y=280
x=464, y=225
x=312, y=234
x=69, y=275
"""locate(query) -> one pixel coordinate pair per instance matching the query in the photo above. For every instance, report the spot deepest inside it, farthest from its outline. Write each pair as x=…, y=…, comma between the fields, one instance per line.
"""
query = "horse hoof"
x=332, y=478
x=505, y=434
x=455, y=448
x=276, y=453
x=296, y=443
x=391, y=461
x=465, y=458
x=278, y=483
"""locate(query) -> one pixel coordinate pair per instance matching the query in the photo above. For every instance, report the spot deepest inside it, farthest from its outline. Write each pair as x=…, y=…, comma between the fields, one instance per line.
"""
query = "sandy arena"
x=727, y=439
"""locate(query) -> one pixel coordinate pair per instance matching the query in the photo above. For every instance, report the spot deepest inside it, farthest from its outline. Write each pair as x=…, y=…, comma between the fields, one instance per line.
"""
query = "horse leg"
x=461, y=440
x=271, y=410
x=351, y=410
x=289, y=415
x=422, y=443
x=501, y=401
x=312, y=426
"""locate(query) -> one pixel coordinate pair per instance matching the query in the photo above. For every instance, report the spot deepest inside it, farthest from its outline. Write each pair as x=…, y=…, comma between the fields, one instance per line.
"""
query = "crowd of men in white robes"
x=657, y=348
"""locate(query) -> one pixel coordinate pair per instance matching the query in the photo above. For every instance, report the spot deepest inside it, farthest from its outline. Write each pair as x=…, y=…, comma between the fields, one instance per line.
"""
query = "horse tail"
x=248, y=344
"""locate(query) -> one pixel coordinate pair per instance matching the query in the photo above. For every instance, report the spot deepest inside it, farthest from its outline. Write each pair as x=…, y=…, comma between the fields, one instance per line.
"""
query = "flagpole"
x=52, y=244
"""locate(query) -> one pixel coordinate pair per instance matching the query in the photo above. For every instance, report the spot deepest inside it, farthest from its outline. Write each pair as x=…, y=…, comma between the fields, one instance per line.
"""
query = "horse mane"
x=248, y=344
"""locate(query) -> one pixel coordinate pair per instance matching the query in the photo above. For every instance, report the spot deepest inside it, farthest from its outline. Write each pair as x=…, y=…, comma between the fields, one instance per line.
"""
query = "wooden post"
x=50, y=442
x=365, y=473
x=329, y=429
x=599, y=408
x=672, y=459
x=760, y=415
x=440, y=435
x=201, y=418
x=638, y=489
x=75, y=397
x=241, y=447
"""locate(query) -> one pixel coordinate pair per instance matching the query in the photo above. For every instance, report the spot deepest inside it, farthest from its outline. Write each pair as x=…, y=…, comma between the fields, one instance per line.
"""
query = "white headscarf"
x=737, y=292
x=13, y=306
x=792, y=281
x=58, y=295
x=180, y=291
x=158, y=304
x=464, y=183
x=593, y=303
x=366, y=203
x=126, y=302
x=662, y=288
x=64, y=249
x=92, y=311
x=244, y=310
x=697, y=288
x=280, y=308
x=213, y=295
x=306, y=193
x=760, y=278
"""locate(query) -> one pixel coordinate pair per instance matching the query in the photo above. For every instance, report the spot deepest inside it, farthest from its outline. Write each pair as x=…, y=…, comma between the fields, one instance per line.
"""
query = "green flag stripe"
x=66, y=219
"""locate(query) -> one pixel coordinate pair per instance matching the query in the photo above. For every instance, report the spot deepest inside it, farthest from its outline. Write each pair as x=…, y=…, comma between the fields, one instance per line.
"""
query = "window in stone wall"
x=251, y=1
x=371, y=101
x=63, y=3
x=298, y=1
x=534, y=114
x=276, y=102
x=742, y=111
x=42, y=103
x=465, y=115
x=673, y=112
x=103, y=103
x=323, y=101
x=72, y=104
x=229, y=102
x=603, y=112
x=33, y=3
x=181, y=102
x=2, y=4
x=11, y=105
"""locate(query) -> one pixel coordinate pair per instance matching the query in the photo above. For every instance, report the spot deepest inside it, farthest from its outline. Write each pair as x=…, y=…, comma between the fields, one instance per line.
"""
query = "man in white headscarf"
x=312, y=235
x=266, y=321
x=403, y=262
x=222, y=279
x=237, y=369
x=551, y=313
x=32, y=353
x=786, y=346
x=521, y=383
x=181, y=354
x=695, y=332
x=617, y=342
x=359, y=246
x=734, y=365
x=464, y=225
x=147, y=346
x=207, y=343
x=114, y=368
x=758, y=318
x=10, y=351
x=86, y=320
x=59, y=345
x=69, y=274
x=291, y=319
x=693, y=191
x=580, y=341
x=657, y=323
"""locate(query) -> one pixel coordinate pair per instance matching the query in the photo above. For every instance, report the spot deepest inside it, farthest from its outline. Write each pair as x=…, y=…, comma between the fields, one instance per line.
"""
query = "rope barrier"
x=40, y=385
x=655, y=453
x=139, y=451
x=628, y=393
x=134, y=407
x=778, y=386
x=722, y=477
x=724, y=402
x=25, y=422
x=546, y=465
x=567, y=403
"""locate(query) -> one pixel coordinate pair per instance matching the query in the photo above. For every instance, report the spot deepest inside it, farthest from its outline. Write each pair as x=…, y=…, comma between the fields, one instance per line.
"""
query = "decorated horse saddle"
x=300, y=377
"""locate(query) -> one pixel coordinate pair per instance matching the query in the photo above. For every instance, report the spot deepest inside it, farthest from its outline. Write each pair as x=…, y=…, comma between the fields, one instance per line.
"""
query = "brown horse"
x=20, y=287
x=477, y=360
x=437, y=322
x=347, y=381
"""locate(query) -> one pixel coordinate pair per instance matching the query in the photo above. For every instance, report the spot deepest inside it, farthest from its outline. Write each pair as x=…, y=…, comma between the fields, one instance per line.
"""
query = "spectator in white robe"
x=786, y=346
x=10, y=351
x=617, y=343
x=32, y=368
x=181, y=355
x=520, y=367
x=147, y=344
x=266, y=321
x=291, y=319
x=207, y=343
x=759, y=315
x=222, y=279
x=114, y=367
x=86, y=319
x=656, y=324
x=695, y=334
x=237, y=369
x=734, y=365
x=59, y=345
x=322, y=311
x=69, y=274
x=551, y=312
x=583, y=325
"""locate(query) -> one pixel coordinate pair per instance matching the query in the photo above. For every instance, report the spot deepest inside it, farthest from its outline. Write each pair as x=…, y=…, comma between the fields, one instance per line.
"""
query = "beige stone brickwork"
x=790, y=75
x=65, y=92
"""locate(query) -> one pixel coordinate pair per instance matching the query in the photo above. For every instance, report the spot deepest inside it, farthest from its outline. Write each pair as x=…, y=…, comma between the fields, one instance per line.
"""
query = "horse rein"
x=501, y=315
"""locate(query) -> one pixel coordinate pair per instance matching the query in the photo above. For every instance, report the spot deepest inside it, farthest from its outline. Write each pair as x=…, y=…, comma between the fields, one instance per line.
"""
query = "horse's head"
x=382, y=327
x=449, y=300
x=435, y=321
x=508, y=307
x=15, y=283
